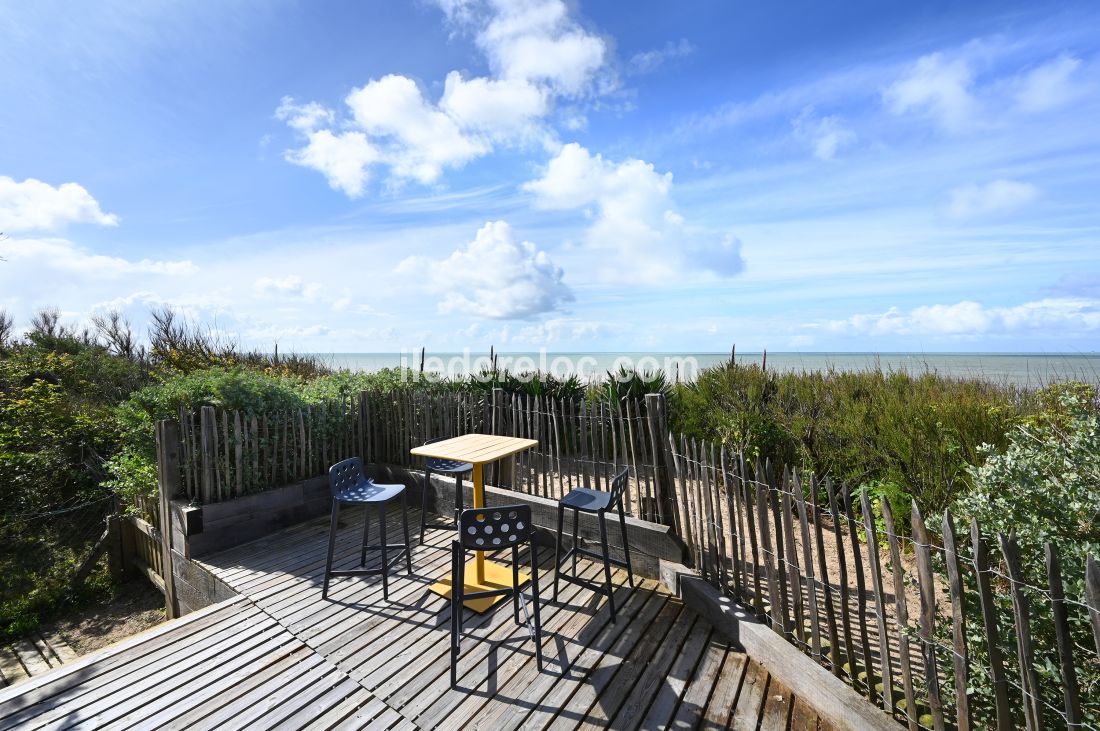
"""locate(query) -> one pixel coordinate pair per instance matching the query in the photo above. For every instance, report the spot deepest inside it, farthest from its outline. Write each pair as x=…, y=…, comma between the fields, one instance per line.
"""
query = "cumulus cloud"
x=1049, y=85
x=999, y=196
x=647, y=61
x=938, y=87
x=824, y=135
x=34, y=205
x=495, y=276
x=635, y=220
x=60, y=255
x=972, y=318
x=537, y=53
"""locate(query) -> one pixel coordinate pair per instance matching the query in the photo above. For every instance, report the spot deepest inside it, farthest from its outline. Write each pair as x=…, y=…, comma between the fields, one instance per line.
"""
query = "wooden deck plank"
x=11, y=670
x=656, y=672
x=725, y=700
x=777, y=707
x=750, y=701
x=611, y=682
x=490, y=659
x=693, y=703
x=569, y=655
x=672, y=687
x=803, y=716
x=62, y=692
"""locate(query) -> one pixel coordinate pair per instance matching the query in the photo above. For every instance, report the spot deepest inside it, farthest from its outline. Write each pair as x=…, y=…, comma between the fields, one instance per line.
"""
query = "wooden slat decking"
x=280, y=657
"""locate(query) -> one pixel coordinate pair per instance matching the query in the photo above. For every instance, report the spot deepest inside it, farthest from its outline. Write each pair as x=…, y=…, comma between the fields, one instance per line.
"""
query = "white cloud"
x=1048, y=86
x=289, y=286
x=536, y=40
x=494, y=276
x=537, y=53
x=501, y=108
x=60, y=255
x=824, y=135
x=420, y=140
x=998, y=196
x=938, y=87
x=32, y=204
x=647, y=61
x=972, y=318
x=635, y=219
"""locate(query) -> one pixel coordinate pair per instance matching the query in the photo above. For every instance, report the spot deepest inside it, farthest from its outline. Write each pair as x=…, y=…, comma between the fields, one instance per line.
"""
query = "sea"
x=1030, y=370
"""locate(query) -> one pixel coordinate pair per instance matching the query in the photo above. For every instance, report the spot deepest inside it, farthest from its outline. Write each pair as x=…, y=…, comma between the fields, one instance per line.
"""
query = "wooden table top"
x=475, y=448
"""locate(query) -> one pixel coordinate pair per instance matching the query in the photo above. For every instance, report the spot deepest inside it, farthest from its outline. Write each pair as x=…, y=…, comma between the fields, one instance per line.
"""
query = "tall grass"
x=901, y=434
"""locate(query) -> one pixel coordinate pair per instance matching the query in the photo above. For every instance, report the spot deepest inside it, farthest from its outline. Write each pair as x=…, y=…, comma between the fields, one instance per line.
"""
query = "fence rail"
x=939, y=628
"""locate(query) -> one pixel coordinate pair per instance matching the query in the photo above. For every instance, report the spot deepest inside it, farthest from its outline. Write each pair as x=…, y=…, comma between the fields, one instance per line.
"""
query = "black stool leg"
x=576, y=539
x=515, y=584
x=331, y=545
x=458, y=498
x=385, y=561
x=626, y=547
x=535, y=602
x=557, y=549
x=607, y=564
x=456, y=607
x=405, y=521
x=366, y=534
x=424, y=500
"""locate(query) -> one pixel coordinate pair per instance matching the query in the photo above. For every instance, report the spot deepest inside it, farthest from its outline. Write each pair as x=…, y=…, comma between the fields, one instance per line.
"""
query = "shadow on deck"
x=278, y=656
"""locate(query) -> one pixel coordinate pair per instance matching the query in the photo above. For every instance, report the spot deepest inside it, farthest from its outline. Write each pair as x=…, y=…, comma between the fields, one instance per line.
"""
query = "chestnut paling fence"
x=940, y=628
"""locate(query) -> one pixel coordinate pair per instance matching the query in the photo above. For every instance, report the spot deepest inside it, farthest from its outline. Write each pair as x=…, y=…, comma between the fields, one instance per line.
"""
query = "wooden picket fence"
x=227, y=454
x=911, y=623
x=913, y=619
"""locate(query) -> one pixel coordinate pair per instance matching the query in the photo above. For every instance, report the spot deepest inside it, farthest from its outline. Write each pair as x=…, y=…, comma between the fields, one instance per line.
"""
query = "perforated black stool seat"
x=443, y=467
x=586, y=500
x=369, y=491
x=448, y=466
x=349, y=486
x=488, y=529
x=597, y=502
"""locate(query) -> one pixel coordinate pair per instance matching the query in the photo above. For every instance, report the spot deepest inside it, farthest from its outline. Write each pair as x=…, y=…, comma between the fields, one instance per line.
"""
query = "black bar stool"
x=443, y=467
x=350, y=487
x=488, y=529
x=597, y=502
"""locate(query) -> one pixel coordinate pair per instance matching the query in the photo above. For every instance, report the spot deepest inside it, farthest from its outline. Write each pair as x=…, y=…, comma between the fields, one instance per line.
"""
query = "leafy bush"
x=1043, y=487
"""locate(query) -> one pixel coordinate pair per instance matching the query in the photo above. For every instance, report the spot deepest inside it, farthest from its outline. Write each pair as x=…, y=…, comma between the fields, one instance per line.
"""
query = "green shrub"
x=1043, y=487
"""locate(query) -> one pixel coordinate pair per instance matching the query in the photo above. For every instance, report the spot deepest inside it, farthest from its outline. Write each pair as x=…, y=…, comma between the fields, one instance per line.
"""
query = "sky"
x=666, y=176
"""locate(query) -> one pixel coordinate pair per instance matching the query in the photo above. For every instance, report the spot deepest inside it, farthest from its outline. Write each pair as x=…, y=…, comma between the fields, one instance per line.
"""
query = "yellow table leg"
x=479, y=574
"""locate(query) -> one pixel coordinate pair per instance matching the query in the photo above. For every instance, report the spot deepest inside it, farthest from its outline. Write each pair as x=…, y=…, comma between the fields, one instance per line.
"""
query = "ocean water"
x=1022, y=369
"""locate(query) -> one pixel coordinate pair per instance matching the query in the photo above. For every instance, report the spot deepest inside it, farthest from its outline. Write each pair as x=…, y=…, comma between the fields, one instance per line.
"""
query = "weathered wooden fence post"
x=168, y=477
x=656, y=410
x=207, y=449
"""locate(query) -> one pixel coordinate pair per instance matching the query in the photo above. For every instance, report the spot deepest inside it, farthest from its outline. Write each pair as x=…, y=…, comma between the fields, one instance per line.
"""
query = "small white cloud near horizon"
x=496, y=277
x=33, y=255
x=635, y=220
x=35, y=205
x=969, y=318
x=998, y=196
x=825, y=135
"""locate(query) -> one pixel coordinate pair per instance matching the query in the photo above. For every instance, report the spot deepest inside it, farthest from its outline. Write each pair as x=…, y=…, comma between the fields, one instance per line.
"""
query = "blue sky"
x=372, y=176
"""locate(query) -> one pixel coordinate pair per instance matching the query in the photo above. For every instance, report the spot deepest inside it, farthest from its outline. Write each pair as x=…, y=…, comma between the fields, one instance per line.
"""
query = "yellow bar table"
x=478, y=450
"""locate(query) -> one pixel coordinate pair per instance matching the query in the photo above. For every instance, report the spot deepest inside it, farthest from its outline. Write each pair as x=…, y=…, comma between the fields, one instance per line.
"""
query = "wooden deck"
x=35, y=654
x=280, y=657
